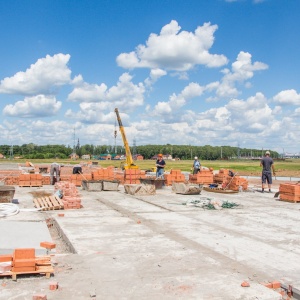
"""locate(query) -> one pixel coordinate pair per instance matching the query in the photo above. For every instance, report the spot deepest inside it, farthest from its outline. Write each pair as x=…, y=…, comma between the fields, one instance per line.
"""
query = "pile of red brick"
x=71, y=198
x=221, y=176
x=290, y=192
x=276, y=286
x=10, y=177
x=103, y=173
x=174, y=176
x=203, y=177
x=133, y=176
x=30, y=180
x=230, y=182
x=236, y=182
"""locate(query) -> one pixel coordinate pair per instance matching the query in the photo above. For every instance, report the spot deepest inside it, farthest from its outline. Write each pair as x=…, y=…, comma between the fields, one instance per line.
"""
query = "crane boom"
x=129, y=160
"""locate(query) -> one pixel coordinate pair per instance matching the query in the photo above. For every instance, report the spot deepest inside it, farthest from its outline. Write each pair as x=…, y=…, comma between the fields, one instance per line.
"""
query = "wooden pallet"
x=47, y=270
x=48, y=203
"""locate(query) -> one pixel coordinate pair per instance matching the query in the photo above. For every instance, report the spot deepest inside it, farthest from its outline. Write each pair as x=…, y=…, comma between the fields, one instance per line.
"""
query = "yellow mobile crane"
x=129, y=160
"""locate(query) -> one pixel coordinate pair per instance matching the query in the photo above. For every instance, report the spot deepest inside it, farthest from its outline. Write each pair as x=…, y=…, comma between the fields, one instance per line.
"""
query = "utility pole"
x=11, y=152
x=221, y=153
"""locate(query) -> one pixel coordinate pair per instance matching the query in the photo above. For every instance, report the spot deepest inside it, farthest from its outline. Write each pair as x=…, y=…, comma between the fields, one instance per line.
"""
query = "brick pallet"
x=290, y=192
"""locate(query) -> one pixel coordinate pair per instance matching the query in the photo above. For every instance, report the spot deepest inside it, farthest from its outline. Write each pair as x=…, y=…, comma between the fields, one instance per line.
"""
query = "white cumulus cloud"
x=43, y=77
x=173, y=49
x=287, y=97
x=124, y=93
x=36, y=106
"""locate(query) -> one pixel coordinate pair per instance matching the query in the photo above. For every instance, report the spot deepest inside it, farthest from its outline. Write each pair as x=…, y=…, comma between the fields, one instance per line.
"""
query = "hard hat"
x=160, y=155
x=195, y=157
x=267, y=152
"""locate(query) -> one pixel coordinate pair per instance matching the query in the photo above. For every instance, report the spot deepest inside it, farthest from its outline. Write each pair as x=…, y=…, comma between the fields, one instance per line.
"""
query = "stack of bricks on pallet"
x=103, y=173
x=174, y=176
x=290, y=192
x=30, y=180
x=203, y=177
x=23, y=260
x=133, y=176
x=71, y=198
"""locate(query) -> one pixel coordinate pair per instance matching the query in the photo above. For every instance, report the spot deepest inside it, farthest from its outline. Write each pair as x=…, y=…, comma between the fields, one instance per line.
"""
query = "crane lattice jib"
x=129, y=160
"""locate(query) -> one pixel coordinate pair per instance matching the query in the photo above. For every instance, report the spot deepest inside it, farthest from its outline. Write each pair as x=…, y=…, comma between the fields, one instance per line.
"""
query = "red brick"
x=23, y=269
x=47, y=245
x=24, y=262
x=4, y=258
x=53, y=286
x=276, y=284
x=24, y=253
x=39, y=297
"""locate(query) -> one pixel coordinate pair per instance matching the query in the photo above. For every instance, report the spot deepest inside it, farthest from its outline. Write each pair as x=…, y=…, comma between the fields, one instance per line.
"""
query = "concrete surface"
x=154, y=247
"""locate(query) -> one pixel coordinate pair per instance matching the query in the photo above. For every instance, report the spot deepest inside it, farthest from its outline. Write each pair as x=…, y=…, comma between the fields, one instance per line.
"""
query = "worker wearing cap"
x=54, y=168
x=160, y=165
x=196, y=165
x=268, y=166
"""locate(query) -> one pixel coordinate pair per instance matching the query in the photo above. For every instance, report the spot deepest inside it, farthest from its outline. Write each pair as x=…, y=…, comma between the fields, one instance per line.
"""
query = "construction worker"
x=160, y=165
x=77, y=169
x=55, y=168
x=266, y=176
x=196, y=165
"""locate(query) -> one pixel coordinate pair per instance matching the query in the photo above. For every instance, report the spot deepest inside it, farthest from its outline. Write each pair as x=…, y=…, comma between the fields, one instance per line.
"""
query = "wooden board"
x=219, y=190
x=47, y=270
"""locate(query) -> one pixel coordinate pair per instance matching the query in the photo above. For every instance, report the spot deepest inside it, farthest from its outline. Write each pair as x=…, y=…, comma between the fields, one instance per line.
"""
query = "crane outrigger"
x=129, y=160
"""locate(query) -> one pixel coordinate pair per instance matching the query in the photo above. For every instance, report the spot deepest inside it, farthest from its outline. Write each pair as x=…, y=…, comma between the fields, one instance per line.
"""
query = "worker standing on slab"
x=268, y=166
x=196, y=165
x=160, y=165
x=77, y=169
x=55, y=168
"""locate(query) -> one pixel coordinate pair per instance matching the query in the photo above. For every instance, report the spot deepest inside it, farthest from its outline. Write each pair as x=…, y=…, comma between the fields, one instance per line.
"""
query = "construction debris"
x=139, y=189
x=186, y=188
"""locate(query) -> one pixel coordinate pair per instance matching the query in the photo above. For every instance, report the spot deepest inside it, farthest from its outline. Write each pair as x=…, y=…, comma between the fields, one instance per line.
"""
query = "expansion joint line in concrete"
x=229, y=264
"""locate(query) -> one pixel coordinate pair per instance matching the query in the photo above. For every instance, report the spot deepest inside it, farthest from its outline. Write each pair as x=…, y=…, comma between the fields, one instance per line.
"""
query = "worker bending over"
x=54, y=168
x=77, y=169
x=160, y=165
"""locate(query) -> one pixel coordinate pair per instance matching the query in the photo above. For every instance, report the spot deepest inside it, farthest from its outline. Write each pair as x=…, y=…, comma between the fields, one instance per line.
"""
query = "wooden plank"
x=61, y=204
x=36, y=203
x=47, y=270
x=40, y=204
x=54, y=202
x=49, y=203
x=44, y=203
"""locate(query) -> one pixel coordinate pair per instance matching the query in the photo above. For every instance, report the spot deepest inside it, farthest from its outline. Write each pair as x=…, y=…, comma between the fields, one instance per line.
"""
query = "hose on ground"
x=8, y=209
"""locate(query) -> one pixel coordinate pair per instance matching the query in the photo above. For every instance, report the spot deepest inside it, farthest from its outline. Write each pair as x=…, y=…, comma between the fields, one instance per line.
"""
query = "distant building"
x=2, y=156
x=165, y=157
x=138, y=157
x=73, y=156
x=86, y=156
x=105, y=156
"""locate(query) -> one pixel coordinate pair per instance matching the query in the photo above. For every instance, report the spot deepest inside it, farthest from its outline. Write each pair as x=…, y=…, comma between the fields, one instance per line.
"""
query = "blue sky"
x=198, y=72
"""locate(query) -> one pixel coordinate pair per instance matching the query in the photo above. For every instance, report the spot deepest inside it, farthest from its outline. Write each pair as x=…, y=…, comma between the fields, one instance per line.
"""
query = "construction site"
x=109, y=233
x=89, y=232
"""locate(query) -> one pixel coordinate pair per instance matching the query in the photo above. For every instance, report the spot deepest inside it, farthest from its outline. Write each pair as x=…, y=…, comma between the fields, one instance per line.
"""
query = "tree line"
x=182, y=152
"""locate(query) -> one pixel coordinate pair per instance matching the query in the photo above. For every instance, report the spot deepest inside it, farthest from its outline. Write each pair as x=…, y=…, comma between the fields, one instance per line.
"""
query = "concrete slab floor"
x=154, y=247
